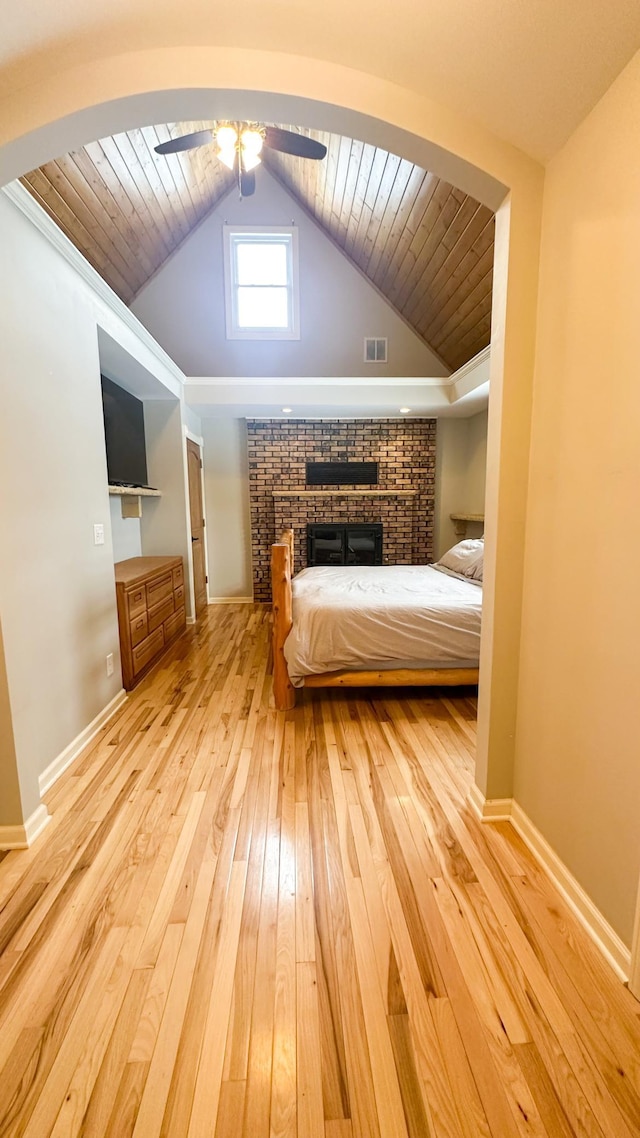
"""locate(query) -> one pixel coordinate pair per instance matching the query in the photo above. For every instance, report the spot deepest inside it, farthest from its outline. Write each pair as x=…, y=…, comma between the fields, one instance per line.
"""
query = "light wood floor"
x=250, y=923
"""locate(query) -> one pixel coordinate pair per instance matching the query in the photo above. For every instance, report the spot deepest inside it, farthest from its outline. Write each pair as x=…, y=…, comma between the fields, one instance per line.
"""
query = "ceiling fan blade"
x=247, y=183
x=185, y=142
x=289, y=143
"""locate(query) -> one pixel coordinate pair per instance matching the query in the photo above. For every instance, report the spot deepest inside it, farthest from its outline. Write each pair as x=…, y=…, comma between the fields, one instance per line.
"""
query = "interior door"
x=194, y=466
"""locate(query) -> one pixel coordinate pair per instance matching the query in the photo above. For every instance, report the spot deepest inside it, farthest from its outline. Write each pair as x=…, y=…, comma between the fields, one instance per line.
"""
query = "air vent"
x=375, y=350
x=342, y=473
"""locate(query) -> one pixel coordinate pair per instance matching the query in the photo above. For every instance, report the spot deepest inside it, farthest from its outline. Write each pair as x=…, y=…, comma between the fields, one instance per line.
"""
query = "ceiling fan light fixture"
x=249, y=161
x=226, y=136
x=227, y=141
x=239, y=144
x=228, y=157
x=251, y=145
x=251, y=140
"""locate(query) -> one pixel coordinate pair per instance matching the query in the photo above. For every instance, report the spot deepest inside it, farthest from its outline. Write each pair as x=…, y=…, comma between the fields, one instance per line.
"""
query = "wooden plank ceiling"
x=425, y=245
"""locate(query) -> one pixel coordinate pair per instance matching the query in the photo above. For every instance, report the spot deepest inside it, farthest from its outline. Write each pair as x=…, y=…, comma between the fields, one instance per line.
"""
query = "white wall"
x=191, y=420
x=578, y=734
x=125, y=533
x=57, y=596
x=226, y=487
x=183, y=305
x=57, y=592
x=164, y=525
x=461, y=461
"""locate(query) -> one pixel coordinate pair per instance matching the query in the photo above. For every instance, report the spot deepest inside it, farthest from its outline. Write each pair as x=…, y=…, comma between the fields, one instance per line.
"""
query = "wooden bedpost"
x=281, y=566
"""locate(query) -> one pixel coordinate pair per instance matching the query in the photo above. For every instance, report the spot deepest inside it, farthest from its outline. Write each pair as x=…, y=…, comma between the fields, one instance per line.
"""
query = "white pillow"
x=466, y=558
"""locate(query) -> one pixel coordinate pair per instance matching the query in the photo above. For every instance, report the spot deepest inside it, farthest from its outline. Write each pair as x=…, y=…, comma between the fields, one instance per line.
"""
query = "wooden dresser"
x=151, y=611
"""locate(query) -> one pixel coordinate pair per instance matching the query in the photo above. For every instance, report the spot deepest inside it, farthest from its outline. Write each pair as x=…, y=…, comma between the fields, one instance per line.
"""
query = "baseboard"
x=21, y=837
x=230, y=600
x=598, y=928
x=604, y=937
x=66, y=757
x=490, y=809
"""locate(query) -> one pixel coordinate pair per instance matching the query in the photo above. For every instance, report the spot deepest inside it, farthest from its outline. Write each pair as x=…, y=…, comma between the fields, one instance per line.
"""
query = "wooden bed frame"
x=282, y=560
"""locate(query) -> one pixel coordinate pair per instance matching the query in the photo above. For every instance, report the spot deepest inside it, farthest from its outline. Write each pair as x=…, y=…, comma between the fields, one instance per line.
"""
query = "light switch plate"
x=98, y=534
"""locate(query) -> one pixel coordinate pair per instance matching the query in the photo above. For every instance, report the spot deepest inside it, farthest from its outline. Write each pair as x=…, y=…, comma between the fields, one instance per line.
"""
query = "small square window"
x=261, y=283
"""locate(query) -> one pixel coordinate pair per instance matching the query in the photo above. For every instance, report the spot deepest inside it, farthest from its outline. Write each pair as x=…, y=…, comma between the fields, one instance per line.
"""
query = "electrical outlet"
x=110, y=664
x=98, y=534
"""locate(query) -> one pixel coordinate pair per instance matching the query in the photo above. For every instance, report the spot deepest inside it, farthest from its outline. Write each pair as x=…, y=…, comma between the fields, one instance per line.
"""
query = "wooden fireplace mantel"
x=344, y=493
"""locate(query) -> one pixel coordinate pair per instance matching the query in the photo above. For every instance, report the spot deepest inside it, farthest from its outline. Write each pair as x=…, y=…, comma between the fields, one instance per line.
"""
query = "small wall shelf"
x=461, y=521
x=131, y=498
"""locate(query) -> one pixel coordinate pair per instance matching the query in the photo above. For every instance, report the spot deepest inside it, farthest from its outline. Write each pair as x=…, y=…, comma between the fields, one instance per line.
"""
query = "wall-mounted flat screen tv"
x=124, y=435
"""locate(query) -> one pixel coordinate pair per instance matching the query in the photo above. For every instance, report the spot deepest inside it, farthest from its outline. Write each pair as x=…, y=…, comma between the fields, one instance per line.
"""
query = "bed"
x=371, y=626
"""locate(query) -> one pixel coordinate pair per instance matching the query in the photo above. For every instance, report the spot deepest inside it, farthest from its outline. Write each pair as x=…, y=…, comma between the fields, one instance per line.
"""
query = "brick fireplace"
x=402, y=500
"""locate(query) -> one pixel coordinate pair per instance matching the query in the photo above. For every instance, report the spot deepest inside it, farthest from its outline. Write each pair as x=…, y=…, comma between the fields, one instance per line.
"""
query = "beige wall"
x=226, y=486
x=461, y=463
x=578, y=734
x=10, y=803
x=475, y=480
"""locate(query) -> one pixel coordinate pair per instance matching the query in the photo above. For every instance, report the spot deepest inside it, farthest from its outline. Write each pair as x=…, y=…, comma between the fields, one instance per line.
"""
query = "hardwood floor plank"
x=103, y=1096
x=158, y=1079
x=207, y=1088
x=308, y=1053
x=283, y=1113
x=391, y=1117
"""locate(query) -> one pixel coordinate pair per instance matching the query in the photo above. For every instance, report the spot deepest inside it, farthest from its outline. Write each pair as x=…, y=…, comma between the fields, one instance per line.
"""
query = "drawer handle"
x=139, y=623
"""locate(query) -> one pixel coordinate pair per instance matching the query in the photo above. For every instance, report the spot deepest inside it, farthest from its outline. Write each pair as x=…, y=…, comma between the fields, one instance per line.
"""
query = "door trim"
x=199, y=442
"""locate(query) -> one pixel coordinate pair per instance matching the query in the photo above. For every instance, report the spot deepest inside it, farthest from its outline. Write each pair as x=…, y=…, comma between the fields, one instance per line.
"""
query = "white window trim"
x=235, y=333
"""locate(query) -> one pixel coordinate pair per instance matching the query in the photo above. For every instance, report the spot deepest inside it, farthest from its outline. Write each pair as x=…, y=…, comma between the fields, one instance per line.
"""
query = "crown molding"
x=315, y=381
x=28, y=206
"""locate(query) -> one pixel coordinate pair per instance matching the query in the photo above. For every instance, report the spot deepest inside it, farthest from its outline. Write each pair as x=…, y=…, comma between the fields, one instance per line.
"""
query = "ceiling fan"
x=240, y=144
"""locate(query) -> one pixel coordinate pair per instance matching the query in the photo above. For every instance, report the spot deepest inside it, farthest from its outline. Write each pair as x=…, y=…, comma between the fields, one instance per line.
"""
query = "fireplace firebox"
x=350, y=544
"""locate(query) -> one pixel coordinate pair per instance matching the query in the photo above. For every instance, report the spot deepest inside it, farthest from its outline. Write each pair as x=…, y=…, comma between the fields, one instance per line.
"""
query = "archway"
x=80, y=104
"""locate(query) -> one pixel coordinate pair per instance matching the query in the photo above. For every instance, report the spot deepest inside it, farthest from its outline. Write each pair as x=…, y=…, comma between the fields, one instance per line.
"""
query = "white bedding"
x=382, y=616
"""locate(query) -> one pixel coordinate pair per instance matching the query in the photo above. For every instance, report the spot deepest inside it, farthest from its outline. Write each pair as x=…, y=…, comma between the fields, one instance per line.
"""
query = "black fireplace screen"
x=350, y=544
x=342, y=474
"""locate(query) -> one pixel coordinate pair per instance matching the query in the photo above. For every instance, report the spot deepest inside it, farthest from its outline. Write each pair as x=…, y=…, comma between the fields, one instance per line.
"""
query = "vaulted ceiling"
x=425, y=245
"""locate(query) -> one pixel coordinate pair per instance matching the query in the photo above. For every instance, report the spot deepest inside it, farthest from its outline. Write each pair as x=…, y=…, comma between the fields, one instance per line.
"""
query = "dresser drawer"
x=139, y=629
x=178, y=577
x=178, y=597
x=174, y=624
x=158, y=589
x=147, y=650
x=136, y=601
x=159, y=613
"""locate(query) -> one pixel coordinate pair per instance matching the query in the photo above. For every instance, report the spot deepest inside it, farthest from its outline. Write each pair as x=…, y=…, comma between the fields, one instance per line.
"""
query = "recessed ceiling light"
x=287, y=410
x=405, y=410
